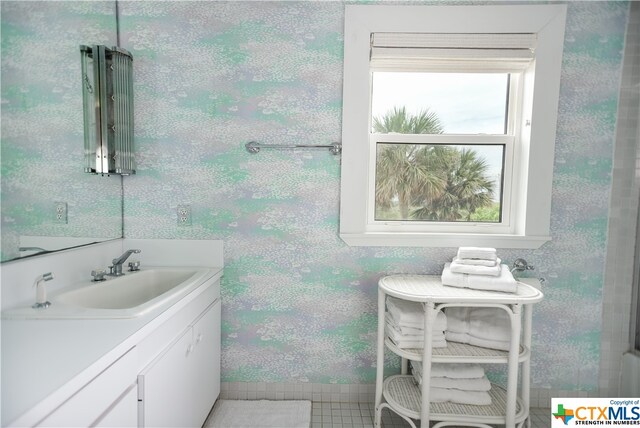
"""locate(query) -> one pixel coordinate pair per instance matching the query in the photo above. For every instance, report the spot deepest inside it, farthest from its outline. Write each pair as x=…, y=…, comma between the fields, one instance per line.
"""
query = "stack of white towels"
x=405, y=325
x=478, y=268
x=478, y=326
x=455, y=383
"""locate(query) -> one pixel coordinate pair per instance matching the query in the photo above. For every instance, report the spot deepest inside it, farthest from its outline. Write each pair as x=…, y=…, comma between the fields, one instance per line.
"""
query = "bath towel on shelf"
x=452, y=370
x=411, y=314
x=481, y=253
x=478, y=384
x=484, y=327
x=478, y=262
x=440, y=325
x=457, y=267
x=473, y=390
x=505, y=282
x=468, y=384
x=477, y=341
x=415, y=341
x=458, y=396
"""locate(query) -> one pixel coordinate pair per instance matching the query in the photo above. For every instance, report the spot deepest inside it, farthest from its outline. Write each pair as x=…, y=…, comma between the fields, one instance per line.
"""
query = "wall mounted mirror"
x=47, y=201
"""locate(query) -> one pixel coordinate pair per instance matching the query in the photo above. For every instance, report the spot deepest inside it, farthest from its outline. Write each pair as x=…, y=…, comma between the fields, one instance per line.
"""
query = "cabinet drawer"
x=93, y=400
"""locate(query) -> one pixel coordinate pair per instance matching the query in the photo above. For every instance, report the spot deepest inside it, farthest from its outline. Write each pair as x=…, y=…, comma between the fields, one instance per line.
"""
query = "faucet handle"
x=134, y=265
x=98, y=275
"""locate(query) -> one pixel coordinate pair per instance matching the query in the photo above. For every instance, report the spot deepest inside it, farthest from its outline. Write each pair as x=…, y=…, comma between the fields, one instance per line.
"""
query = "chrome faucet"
x=521, y=265
x=116, y=268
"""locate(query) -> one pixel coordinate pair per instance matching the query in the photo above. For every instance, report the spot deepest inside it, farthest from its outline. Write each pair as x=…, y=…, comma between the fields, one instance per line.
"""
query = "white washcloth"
x=477, y=398
x=457, y=267
x=505, y=282
x=411, y=314
x=414, y=341
x=484, y=327
x=452, y=370
x=477, y=253
x=478, y=262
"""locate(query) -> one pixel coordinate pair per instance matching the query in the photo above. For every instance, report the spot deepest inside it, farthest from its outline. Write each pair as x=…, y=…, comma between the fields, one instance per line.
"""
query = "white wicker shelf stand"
x=403, y=396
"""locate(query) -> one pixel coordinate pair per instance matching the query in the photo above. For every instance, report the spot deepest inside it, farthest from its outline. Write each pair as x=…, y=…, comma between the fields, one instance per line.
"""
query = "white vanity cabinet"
x=179, y=387
x=164, y=372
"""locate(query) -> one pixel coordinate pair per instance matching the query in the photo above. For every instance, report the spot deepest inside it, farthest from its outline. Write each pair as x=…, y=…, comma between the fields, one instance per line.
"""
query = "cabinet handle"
x=189, y=349
x=199, y=338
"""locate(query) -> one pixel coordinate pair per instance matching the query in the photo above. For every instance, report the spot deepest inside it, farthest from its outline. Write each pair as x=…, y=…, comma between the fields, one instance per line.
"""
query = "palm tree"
x=446, y=184
x=399, y=121
x=467, y=188
x=401, y=169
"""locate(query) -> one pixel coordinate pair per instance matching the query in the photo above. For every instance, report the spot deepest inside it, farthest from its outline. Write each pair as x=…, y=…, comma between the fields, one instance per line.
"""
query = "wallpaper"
x=42, y=149
x=299, y=305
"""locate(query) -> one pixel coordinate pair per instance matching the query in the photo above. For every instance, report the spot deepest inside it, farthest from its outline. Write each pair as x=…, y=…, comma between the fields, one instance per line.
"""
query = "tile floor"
x=360, y=415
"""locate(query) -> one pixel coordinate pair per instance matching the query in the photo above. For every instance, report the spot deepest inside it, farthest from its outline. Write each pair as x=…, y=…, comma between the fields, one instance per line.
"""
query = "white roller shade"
x=443, y=52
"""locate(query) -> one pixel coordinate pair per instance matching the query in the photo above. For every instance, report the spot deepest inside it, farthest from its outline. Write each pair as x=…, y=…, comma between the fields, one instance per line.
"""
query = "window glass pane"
x=435, y=103
x=446, y=183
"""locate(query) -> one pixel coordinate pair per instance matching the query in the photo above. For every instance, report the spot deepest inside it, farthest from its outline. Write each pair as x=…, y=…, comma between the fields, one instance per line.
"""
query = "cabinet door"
x=205, y=364
x=164, y=387
x=179, y=388
x=95, y=399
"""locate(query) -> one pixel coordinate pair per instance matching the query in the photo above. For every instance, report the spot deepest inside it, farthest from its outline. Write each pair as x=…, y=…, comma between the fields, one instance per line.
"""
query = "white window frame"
x=531, y=164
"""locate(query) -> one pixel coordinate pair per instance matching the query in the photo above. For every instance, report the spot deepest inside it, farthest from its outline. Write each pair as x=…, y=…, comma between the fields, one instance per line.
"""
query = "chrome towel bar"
x=254, y=147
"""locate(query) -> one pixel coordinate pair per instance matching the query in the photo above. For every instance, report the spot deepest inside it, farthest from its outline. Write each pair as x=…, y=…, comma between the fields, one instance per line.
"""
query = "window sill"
x=388, y=239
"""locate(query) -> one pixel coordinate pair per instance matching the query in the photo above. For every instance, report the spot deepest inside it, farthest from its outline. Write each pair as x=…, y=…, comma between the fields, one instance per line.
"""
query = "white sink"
x=129, y=296
x=127, y=291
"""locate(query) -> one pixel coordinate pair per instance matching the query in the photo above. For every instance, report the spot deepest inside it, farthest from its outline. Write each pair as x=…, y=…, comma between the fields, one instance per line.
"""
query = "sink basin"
x=126, y=292
x=129, y=296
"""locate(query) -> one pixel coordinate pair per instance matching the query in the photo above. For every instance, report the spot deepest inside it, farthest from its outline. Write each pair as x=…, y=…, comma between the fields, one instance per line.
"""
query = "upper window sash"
x=514, y=98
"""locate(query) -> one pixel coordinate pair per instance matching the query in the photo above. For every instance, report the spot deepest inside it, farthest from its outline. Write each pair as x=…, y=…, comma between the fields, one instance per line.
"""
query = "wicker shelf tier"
x=403, y=394
x=458, y=353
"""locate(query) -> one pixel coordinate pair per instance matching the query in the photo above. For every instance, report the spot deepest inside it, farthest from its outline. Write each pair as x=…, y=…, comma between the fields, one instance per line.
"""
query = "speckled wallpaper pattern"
x=299, y=305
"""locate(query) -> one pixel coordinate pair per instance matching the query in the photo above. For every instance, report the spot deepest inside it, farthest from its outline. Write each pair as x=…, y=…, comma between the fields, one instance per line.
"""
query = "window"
x=442, y=129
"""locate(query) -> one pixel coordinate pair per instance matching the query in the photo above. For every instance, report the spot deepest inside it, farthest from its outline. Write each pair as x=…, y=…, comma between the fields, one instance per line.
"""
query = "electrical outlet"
x=61, y=212
x=184, y=215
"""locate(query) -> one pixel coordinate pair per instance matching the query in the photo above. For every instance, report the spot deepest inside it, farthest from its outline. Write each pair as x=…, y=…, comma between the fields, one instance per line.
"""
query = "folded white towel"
x=440, y=325
x=478, y=262
x=411, y=314
x=442, y=395
x=484, y=323
x=505, y=282
x=414, y=341
x=480, y=384
x=452, y=370
x=484, y=327
x=467, y=384
x=475, y=269
x=476, y=384
x=500, y=345
x=482, y=253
